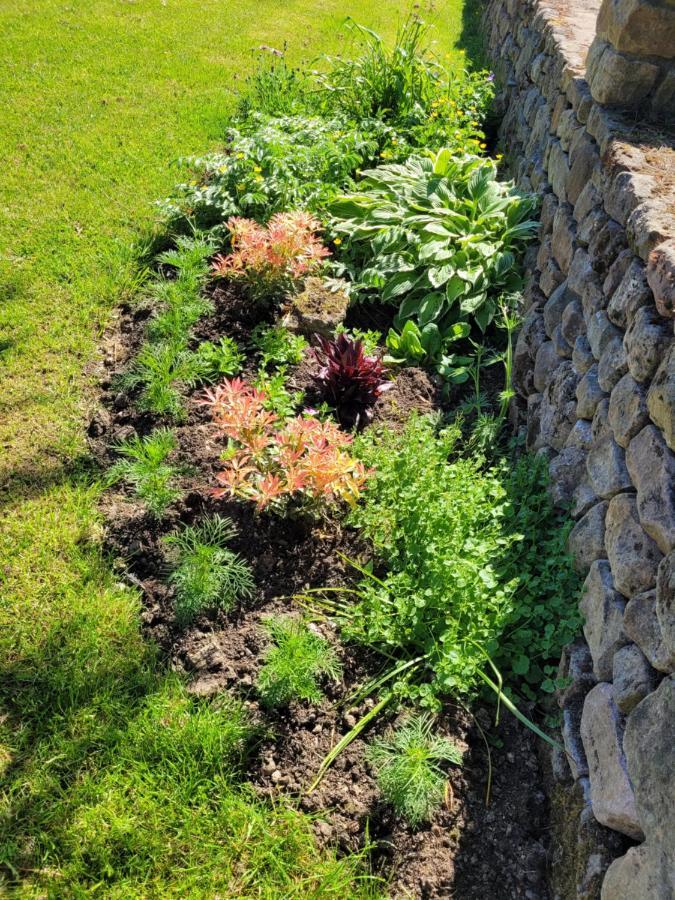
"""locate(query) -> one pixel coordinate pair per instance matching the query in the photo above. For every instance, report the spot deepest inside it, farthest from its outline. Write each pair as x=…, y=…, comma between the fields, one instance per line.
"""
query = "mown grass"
x=111, y=785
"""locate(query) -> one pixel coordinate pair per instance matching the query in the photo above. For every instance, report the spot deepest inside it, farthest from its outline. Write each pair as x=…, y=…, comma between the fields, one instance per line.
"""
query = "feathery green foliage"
x=294, y=663
x=206, y=573
x=145, y=469
x=409, y=766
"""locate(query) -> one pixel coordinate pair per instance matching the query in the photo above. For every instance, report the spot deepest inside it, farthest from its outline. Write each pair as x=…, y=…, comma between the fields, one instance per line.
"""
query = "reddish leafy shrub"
x=350, y=380
x=272, y=258
x=270, y=461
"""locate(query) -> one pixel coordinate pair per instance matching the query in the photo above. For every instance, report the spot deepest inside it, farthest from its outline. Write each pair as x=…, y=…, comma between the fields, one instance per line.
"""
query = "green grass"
x=98, y=98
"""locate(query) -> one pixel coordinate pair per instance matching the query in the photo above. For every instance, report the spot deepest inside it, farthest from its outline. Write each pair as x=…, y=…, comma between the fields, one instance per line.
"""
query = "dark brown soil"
x=473, y=850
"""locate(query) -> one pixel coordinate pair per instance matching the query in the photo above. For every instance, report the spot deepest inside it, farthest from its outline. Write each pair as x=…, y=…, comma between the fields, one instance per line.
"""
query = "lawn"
x=102, y=755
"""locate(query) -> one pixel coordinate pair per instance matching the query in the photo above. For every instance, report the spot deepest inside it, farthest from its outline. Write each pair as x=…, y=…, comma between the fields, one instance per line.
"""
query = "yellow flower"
x=259, y=178
x=499, y=156
x=223, y=169
x=240, y=156
x=241, y=186
x=482, y=146
x=257, y=169
x=337, y=241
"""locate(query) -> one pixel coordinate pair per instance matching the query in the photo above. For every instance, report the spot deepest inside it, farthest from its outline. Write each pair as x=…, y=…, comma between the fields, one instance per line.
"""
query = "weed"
x=145, y=468
x=206, y=573
x=295, y=663
x=278, y=346
x=278, y=399
x=213, y=361
x=408, y=763
x=370, y=339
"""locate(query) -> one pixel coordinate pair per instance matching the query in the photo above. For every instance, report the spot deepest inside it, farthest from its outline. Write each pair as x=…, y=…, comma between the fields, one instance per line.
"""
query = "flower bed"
x=332, y=522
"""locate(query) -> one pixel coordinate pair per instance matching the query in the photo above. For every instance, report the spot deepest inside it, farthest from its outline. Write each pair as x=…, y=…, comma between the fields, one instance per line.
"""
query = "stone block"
x=652, y=469
x=565, y=472
x=557, y=413
x=551, y=277
x=628, y=413
x=586, y=541
x=602, y=607
x=631, y=294
x=572, y=323
x=584, y=497
x=606, y=245
x=637, y=27
x=606, y=467
x=555, y=306
x=649, y=745
x=549, y=205
x=647, y=339
x=562, y=348
x=665, y=603
x=618, y=80
x=632, y=677
x=600, y=425
x=661, y=397
x=582, y=355
x=581, y=436
x=600, y=332
x=612, y=365
x=558, y=170
x=583, y=161
x=650, y=224
x=530, y=338
x=641, y=624
x=661, y=277
x=589, y=199
x=592, y=298
x=633, y=554
x=545, y=364
x=643, y=873
x=625, y=191
x=612, y=794
x=616, y=272
x=580, y=271
x=589, y=393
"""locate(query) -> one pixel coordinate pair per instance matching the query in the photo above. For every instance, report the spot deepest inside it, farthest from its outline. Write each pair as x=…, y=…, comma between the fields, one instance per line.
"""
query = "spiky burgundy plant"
x=350, y=380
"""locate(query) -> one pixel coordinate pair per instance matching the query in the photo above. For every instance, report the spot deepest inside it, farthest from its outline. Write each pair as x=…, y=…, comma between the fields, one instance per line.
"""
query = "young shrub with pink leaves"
x=272, y=259
x=271, y=461
x=350, y=380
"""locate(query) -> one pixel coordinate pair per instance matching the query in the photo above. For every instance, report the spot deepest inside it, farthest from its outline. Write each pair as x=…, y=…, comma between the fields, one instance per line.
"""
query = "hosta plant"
x=144, y=467
x=413, y=345
x=272, y=259
x=349, y=379
x=438, y=234
x=205, y=573
x=410, y=765
x=271, y=461
x=294, y=664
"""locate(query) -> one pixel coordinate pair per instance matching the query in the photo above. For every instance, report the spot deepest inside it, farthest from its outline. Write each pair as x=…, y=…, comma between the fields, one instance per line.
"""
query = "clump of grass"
x=207, y=574
x=144, y=467
x=180, y=297
x=295, y=663
x=409, y=764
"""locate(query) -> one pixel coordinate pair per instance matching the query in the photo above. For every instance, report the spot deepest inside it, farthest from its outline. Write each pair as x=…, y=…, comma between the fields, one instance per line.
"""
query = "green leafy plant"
x=278, y=399
x=275, y=88
x=294, y=663
x=370, y=339
x=145, y=468
x=439, y=235
x=409, y=765
x=164, y=371
x=177, y=292
x=427, y=346
x=278, y=346
x=206, y=574
x=213, y=361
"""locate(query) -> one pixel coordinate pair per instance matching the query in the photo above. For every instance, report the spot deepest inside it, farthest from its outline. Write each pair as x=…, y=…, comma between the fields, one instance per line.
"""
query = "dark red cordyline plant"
x=349, y=380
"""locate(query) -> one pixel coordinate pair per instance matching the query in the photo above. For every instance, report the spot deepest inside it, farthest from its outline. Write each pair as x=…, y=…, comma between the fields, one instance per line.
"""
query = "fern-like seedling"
x=408, y=763
x=207, y=574
x=294, y=663
x=144, y=468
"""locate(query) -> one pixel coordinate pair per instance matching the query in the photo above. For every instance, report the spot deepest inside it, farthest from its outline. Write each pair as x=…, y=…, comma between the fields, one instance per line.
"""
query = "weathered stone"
x=632, y=677
x=584, y=498
x=631, y=294
x=661, y=277
x=606, y=245
x=600, y=425
x=557, y=413
x=646, y=341
x=565, y=472
x=582, y=355
x=649, y=225
x=551, y=277
x=602, y=607
x=593, y=229
x=617, y=80
x=626, y=190
x=633, y=555
x=589, y=199
x=641, y=625
x=555, y=306
x=612, y=365
x=549, y=204
x=572, y=322
x=665, y=603
x=606, y=467
x=558, y=170
x=544, y=254
x=652, y=469
x=562, y=348
x=612, y=795
x=532, y=436
x=616, y=272
x=583, y=160
x=592, y=297
x=649, y=745
x=545, y=364
x=628, y=412
x=580, y=271
x=318, y=309
x=562, y=239
x=639, y=28
x=663, y=98
x=661, y=397
x=643, y=873
x=600, y=332
x=586, y=541
x=530, y=338
x=589, y=393
x=581, y=435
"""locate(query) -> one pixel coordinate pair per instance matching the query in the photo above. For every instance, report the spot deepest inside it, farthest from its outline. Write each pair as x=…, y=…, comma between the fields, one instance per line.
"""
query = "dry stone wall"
x=595, y=369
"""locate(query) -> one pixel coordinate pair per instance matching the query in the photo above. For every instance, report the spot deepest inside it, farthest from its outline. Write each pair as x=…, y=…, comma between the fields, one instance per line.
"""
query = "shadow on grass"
x=471, y=39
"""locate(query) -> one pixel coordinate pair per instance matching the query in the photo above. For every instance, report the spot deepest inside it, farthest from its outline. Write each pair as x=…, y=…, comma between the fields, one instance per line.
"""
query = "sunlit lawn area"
x=114, y=782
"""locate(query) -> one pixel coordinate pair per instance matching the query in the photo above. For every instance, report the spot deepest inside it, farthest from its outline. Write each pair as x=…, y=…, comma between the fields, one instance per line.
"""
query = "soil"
x=473, y=849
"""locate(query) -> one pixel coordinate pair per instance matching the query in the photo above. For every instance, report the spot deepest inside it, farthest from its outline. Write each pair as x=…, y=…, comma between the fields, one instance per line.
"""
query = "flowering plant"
x=351, y=380
x=271, y=460
x=272, y=258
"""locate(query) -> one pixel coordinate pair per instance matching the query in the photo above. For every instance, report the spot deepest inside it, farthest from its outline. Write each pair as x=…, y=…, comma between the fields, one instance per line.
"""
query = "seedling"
x=295, y=663
x=207, y=574
x=410, y=768
x=145, y=469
